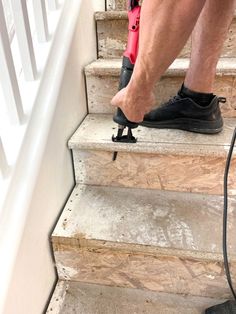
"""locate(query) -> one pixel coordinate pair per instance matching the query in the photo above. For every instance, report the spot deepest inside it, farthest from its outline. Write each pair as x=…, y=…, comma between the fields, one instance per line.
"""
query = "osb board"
x=160, y=273
x=166, y=172
x=112, y=37
x=101, y=89
x=113, y=34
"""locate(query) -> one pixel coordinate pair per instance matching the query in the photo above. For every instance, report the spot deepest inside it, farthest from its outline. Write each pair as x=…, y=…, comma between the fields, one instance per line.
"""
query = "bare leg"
x=207, y=41
x=165, y=26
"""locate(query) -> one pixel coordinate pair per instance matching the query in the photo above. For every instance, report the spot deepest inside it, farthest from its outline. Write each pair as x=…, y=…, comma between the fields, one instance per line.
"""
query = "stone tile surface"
x=73, y=297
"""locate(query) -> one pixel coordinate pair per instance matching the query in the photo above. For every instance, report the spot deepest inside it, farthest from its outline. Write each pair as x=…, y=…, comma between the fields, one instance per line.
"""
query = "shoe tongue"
x=180, y=94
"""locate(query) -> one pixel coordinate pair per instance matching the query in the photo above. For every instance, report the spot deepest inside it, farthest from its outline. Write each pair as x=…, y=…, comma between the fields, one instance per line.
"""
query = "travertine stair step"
x=112, y=31
x=102, y=77
x=80, y=298
x=161, y=159
x=156, y=240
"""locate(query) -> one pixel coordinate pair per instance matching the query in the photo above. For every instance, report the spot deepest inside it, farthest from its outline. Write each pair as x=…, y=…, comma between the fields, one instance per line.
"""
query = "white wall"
x=34, y=274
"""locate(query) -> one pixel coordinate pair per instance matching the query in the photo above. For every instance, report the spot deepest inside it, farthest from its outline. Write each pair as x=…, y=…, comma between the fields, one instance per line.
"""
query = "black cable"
x=225, y=253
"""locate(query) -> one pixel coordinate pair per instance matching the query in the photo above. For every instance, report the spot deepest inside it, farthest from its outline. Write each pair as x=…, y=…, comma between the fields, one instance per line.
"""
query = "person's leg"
x=196, y=108
x=207, y=41
x=165, y=26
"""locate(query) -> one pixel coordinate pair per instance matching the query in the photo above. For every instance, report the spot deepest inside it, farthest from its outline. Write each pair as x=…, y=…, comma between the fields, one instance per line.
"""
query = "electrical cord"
x=225, y=215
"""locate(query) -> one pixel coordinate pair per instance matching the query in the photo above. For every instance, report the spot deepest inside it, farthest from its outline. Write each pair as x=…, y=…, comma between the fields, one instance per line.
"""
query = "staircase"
x=151, y=220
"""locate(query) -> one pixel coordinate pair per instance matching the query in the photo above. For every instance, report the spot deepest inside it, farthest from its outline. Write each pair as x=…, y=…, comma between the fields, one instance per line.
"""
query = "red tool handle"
x=131, y=51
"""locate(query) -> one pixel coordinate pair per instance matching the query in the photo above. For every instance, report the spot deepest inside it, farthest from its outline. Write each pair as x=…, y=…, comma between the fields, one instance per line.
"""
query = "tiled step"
x=112, y=30
x=80, y=298
x=161, y=159
x=155, y=240
x=102, y=78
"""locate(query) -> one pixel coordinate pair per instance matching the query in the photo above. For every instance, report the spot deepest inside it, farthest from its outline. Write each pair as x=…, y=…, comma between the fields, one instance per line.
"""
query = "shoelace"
x=171, y=100
x=178, y=97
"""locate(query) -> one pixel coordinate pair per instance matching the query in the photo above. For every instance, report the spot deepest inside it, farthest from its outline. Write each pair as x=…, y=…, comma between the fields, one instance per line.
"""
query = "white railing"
x=26, y=33
x=3, y=161
x=8, y=78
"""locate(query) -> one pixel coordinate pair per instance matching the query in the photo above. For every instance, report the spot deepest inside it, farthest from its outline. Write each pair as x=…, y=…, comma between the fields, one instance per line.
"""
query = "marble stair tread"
x=75, y=297
x=96, y=130
x=109, y=67
x=148, y=221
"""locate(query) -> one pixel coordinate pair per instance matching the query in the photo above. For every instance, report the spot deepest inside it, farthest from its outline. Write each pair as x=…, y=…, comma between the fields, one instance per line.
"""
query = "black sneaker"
x=228, y=307
x=184, y=114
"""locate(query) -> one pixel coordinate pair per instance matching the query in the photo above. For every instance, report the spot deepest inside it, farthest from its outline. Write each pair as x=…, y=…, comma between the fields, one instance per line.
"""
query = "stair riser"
x=200, y=174
x=136, y=270
x=101, y=89
x=112, y=39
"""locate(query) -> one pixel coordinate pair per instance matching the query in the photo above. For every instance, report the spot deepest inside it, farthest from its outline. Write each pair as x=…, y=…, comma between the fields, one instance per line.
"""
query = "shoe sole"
x=125, y=122
x=191, y=125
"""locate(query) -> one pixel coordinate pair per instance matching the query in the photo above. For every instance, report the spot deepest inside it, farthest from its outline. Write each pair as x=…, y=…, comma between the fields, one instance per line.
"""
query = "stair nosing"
x=116, y=15
x=111, y=67
x=156, y=147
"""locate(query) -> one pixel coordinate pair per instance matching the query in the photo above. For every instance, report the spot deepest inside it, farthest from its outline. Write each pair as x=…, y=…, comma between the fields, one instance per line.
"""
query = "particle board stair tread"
x=110, y=67
x=172, y=160
x=96, y=130
x=75, y=297
x=118, y=14
x=102, y=80
x=158, y=241
x=148, y=221
x=117, y=5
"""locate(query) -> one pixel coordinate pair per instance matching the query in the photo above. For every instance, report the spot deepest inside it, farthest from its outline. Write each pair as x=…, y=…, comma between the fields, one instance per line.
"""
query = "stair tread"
x=225, y=66
x=111, y=15
x=116, y=15
x=170, y=223
x=75, y=297
x=96, y=130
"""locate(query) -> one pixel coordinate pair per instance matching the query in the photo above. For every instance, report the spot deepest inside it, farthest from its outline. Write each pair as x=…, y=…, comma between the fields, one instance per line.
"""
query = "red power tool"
x=128, y=62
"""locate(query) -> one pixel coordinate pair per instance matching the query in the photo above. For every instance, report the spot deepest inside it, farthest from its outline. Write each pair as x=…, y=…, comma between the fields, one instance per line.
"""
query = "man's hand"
x=134, y=103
